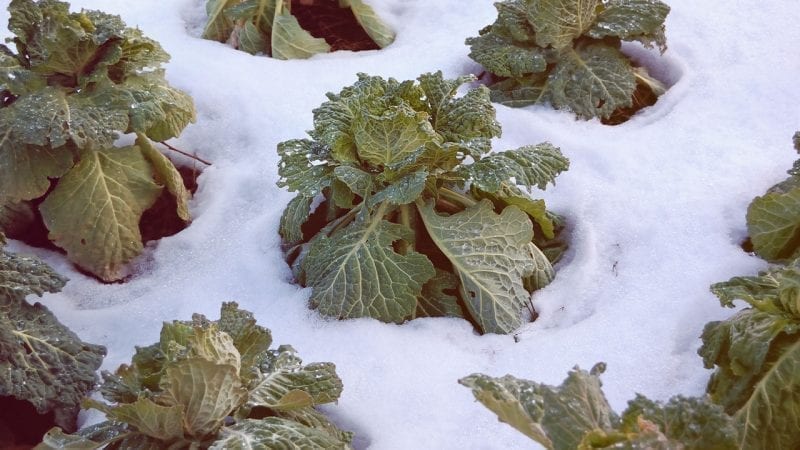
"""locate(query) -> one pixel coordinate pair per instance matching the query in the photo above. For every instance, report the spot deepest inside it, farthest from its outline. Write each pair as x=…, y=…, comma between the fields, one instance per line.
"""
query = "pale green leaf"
x=251, y=39
x=317, y=380
x=155, y=108
x=161, y=422
x=56, y=439
x=294, y=216
x=250, y=339
x=274, y=433
x=208, y=392
x=773, y=222
x=303, y=167
x=532, y=165
x=377, y=30
x=357, y=273
x=511, y=195
x=312, y=418
x=167, y=175
x=592, y=81
x=501, y=56
x=291, y=41
x=386, y=139
x=212, y=344
x=520, y=92
x=558, y=22
x=491, y=256
x=641, y=20
x=438, y=297
x=218, y=27
x=94, y=211
x=139, y=53
x=359, y=181
x=25, y=170
x=402, y=191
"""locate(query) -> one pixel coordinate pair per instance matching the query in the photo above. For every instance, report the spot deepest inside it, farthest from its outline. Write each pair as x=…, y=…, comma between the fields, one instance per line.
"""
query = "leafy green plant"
x=773, y=220
x=268, y=26
x=216, y=385
x=396, y=236
x=576, y=415
x=756, y=354
x=75, y=82
x=42, y=361
x=567, y=53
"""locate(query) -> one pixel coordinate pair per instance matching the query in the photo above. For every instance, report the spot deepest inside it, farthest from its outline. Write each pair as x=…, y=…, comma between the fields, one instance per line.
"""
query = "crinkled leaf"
x=294, y=216
x=167, y=175
x=274, y=433
x=310, y=417
x=399, y=131
x=359, y=181
x=377, y=30
x=592, y=81
x=207, y=391
x=501, y=56
x=303, y=167
x=532, y=165
x=139, y=53
x=25, y=170
x=641, y=20
x=161, y=422
x=558, y=22
x=218, y=27
x=512, y=20
x=318, y=381
x=491, y=256
x=402, y=191
x=556, y=417
x=156, y=109
x=438, y=298
x=773, y=222
x=94, y=211
x=520, y=92
x=291, y=41
x=357, y=273
x=51, y=117
x=696, y=423
x=212, y=344
x=250, y=339
x=512, y=195
x=42, y=361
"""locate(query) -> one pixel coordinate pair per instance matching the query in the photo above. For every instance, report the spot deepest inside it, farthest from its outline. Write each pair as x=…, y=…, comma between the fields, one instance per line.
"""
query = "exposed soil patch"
x=338, y=26
x=21, y=427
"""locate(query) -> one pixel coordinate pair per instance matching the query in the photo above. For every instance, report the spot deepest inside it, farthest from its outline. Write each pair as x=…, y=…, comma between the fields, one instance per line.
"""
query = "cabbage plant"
x=567, y=53
x=75, y=82
x=268, y=26
x=418, y=217
x=216, y=385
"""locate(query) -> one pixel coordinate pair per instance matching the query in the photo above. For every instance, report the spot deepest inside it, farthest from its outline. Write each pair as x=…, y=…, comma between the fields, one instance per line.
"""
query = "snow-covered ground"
x=656, y=211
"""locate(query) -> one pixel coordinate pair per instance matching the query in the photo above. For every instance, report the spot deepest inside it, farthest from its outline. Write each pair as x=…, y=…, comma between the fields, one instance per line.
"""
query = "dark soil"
x=161, y=220
x=20, y=425
x=338, y=26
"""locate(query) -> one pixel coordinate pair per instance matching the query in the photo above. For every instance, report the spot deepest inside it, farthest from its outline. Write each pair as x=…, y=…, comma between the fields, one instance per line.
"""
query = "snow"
x=656, y=210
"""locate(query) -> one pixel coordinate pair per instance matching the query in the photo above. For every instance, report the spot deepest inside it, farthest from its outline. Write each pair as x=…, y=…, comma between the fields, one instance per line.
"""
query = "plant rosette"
x=269, y=26
x=418, y=217
x=75, y=82
x=567, y=54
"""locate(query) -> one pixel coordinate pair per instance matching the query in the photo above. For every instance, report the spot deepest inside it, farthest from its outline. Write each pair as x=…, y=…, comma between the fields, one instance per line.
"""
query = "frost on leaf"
x=43, y=362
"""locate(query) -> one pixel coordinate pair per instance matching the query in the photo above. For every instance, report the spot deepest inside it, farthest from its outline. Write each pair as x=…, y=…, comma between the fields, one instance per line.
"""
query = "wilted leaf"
x=377, y=30
x=167, y=175
x=291, y=41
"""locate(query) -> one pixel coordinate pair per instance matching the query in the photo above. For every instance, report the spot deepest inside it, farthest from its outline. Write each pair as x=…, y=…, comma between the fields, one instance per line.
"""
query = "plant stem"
x=456, y=197
x=343, y=221
x=196, y=158
x=405, y=219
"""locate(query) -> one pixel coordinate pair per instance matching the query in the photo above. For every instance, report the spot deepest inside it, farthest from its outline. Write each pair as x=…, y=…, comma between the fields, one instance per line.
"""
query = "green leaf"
x=512, y=20
x=167, y=175
x=274, y=432
x=357, y=180
x=303, y=167
x=25, y=170
x=94, y=211
x=555, y=417
x=357, y=273
x=501, y=56
x=251, y=340
x=318, y=381
x=593, y=81
x=641, y=20
x=386, y=139
x=218, y=27
x=208, y=392
x=291, y=41
x=511, y=195
x=696, y=423
x=402, y=191
x=773, y=222
x=438, y=299
x=139, y=54
x=56, y=439
x=210, y=343
x=251, y=39
x=526, y=166
x=42, y=361
x=155, y=108
x=520, y=92
x=161, y=422
x=377, y=30
x=491, y=254
x=558, y=22
x=294, y=216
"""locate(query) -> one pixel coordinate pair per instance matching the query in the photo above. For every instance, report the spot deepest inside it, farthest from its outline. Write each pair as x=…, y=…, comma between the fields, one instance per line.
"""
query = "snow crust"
x=656, y=210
